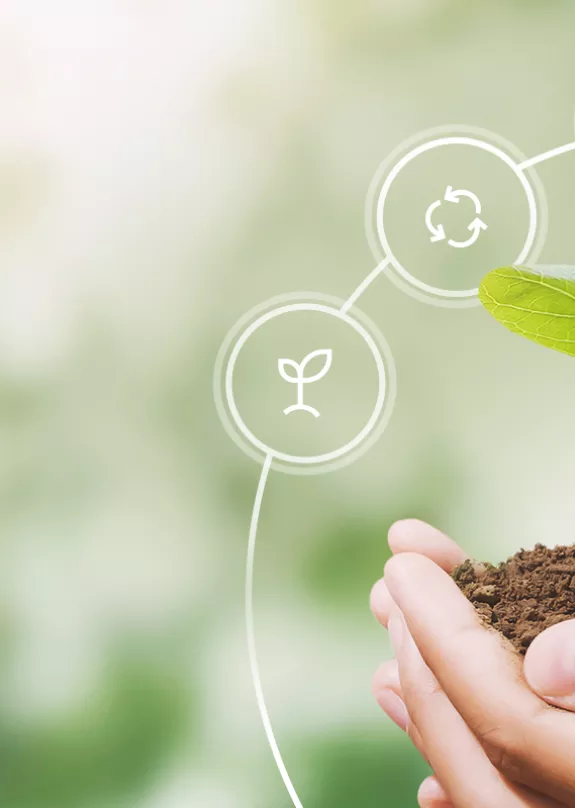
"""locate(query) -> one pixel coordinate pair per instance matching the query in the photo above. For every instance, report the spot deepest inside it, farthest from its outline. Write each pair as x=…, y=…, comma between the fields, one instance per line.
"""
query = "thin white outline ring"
x=413, y=148
x=231, y=417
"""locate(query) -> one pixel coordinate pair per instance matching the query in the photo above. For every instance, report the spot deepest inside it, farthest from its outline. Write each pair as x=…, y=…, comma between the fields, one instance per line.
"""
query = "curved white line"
x=533, y=161
x=251, y=634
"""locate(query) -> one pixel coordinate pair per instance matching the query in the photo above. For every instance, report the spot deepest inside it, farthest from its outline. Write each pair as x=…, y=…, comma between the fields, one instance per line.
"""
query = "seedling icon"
x=300, y=379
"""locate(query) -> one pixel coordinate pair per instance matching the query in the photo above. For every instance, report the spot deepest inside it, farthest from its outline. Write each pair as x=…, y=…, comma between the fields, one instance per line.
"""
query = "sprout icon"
x=301, y=379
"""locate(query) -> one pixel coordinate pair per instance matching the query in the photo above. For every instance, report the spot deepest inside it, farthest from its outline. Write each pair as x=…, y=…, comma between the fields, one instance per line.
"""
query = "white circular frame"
x=246, y=327
x=452, y=136
x=232, y=419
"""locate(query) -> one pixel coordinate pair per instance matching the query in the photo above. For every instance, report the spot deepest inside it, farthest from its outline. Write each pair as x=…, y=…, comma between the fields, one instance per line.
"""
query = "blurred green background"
x=165, y=165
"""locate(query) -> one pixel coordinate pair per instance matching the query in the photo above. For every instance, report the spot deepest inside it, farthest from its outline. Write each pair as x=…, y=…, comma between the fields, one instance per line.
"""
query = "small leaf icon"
x=283, y=364
x=326, y=354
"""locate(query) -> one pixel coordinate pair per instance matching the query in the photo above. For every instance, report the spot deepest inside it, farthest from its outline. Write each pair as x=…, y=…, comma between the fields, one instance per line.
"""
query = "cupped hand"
x=482, y=720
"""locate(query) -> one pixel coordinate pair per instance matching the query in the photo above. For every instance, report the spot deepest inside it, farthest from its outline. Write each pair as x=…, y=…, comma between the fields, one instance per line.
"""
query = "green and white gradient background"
x=166, y=165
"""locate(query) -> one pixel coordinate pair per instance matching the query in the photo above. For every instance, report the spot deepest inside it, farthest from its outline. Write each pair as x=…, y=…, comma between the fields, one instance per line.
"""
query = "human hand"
x=480, y=717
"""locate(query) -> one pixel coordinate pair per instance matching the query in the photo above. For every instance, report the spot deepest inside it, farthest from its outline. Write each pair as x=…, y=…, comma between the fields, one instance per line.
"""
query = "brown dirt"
x=522, y=597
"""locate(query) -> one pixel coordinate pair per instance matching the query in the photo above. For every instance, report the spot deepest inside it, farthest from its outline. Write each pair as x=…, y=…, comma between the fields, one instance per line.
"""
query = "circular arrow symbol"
x=438, y=233
x=476, y=227
x=455, y=196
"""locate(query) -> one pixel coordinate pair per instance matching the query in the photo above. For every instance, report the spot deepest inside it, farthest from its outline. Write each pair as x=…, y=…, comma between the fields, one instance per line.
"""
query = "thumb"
x=550, y=665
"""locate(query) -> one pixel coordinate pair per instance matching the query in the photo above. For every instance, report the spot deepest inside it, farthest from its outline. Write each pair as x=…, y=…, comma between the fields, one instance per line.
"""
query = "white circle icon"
x=230, y=411
x=386, y=178
x=276, y=387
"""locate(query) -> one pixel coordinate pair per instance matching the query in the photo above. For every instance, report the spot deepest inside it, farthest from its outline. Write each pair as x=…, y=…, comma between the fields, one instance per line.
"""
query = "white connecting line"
x=251, y=634
x=546, y=156
x=364, y=285
x=249, y=592
x=532, y=161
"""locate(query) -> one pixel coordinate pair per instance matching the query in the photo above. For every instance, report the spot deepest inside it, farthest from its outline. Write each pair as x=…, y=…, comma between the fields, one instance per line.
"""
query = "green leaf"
x=538, y=304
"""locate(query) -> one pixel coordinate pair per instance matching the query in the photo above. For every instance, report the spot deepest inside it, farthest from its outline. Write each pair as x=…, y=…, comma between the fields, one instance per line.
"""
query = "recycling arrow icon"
x=438, y=233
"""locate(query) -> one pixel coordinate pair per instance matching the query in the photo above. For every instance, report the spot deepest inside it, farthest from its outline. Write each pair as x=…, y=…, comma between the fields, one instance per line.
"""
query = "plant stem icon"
x=300, y=379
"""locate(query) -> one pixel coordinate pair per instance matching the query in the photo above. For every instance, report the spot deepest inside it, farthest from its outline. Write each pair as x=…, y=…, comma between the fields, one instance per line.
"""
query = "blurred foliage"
x=164, y=166
x=344, y=560
x=112, y=748
x=358, y=768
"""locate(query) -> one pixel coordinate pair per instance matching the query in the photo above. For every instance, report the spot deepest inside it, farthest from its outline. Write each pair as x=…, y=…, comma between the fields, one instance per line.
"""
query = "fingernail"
x=550, y=665
x=431, y=792
x=396, y=634
x=380, y=601
x=393, y=707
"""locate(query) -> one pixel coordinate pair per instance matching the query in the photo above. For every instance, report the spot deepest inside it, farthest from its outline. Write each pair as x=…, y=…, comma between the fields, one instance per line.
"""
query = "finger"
x=387, y=691
x=413, y=536
x=386, y=677
x=549, y=665
x=432, y=795
x=468, y=778
x=386, y=688
x=455, y=754
x=526, y=739
x=381, y=603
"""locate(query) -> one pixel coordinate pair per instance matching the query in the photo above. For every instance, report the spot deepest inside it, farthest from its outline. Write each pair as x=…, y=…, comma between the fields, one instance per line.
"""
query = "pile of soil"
x=523, y=596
